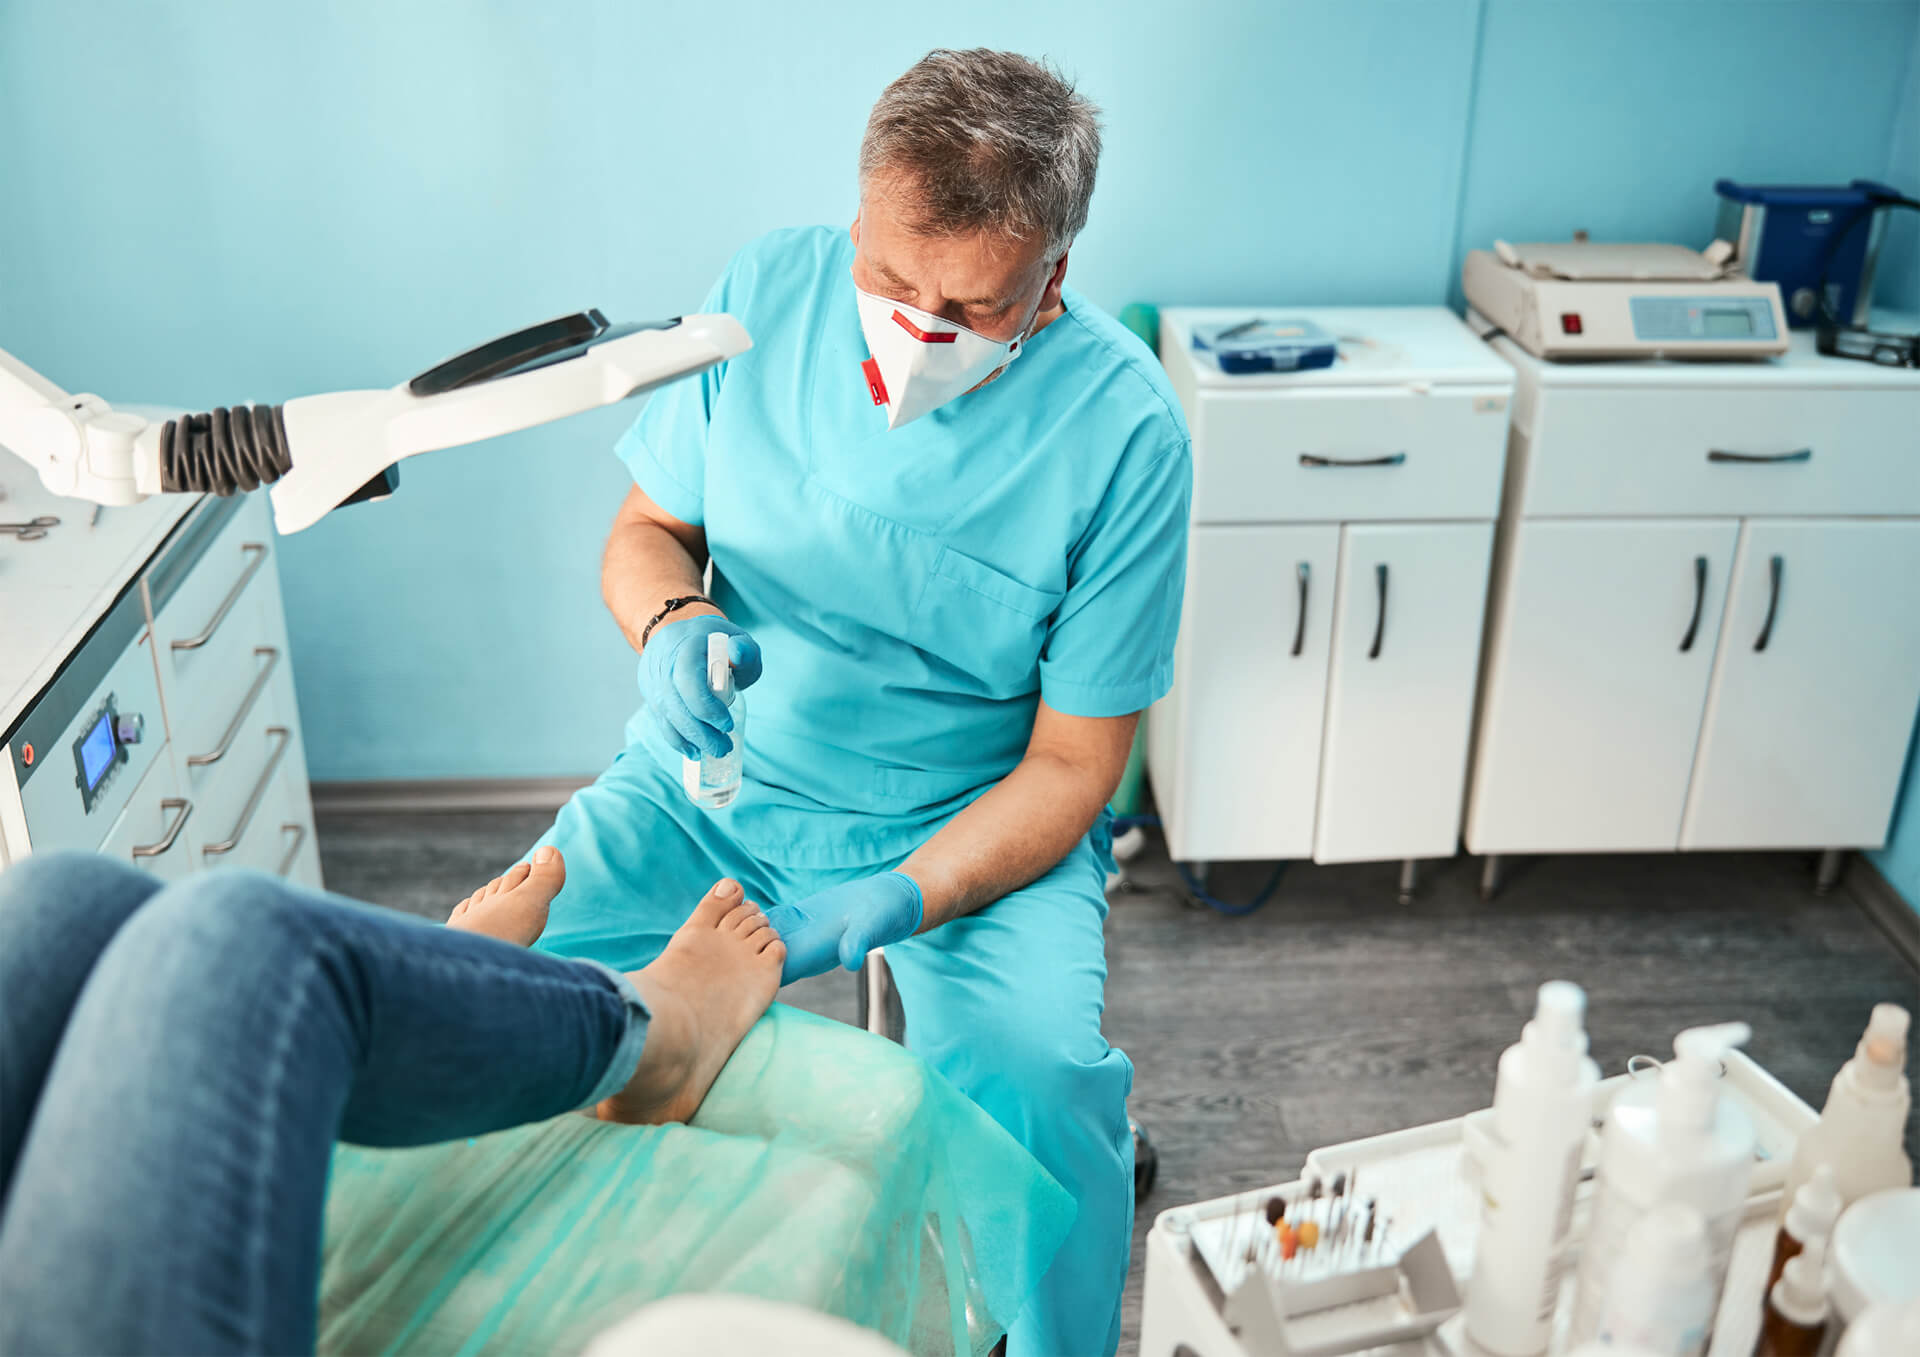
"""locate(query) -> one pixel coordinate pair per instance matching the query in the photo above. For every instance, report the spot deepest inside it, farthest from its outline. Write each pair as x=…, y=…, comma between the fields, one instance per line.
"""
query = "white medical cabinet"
x=146, y=691
x=1336, y=583
x=1705, y=620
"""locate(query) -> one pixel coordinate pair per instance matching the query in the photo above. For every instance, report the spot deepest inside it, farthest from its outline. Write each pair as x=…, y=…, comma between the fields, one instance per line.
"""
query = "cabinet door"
x=1406, y=649
x=1235, y=748
x=1602, y=642
x=1808, y=718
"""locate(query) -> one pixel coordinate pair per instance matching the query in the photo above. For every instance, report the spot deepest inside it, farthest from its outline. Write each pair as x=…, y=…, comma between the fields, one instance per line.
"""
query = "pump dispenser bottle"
x=1671, y=1139
x=1861, y=1127
x=1542, y=1106
x=712, y=782
x=1661, y=1292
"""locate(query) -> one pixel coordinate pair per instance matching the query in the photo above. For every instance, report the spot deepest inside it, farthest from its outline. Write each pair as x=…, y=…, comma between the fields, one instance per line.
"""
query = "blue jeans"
x=176, y=1062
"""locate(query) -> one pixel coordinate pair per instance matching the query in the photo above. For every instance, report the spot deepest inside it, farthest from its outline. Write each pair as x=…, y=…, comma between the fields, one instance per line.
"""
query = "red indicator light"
x=1570, y=322
x=26, y=756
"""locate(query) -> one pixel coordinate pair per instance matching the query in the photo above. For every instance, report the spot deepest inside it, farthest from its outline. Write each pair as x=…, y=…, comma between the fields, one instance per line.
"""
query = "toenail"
x=545, y=855
x=727, y=888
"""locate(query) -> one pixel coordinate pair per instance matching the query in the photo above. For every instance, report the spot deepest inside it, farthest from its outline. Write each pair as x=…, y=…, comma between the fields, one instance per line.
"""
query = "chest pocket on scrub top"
x=983, y=623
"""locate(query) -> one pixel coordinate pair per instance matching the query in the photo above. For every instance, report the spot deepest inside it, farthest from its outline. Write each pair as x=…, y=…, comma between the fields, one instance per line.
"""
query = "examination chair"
x=826, y=1169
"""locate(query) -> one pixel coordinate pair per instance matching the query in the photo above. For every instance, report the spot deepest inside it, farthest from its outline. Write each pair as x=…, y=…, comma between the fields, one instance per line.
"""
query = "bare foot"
x=713, y=982
x=513, y=907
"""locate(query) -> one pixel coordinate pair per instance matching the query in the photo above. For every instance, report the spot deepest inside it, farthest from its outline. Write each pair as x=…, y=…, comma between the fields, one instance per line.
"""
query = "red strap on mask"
x=924, y=336
x=871, y=368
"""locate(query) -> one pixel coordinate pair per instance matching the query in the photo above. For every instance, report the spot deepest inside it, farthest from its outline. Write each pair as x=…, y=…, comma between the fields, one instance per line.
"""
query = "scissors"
x=32, y=530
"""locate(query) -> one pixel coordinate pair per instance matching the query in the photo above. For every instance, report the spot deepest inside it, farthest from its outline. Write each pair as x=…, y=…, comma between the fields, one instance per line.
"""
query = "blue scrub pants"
x=1005, y=1002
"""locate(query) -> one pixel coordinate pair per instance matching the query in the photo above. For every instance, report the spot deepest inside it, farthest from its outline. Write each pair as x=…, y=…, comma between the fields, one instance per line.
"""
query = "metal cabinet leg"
x=1409, y=878
x=1492, y=868
x=1828, y=875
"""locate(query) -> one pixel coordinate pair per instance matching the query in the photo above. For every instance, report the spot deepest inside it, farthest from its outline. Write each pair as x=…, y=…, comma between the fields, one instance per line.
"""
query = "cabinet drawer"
x=151, y=832
x=1330, y=455
x=207, y=635
x=1690, y=453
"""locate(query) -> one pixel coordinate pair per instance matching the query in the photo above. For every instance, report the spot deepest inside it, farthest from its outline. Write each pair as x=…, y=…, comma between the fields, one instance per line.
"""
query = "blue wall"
x=1900, y=863
x=254, y=202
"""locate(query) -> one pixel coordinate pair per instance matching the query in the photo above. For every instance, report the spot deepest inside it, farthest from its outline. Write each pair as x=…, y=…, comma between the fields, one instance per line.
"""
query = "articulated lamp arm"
x=319, y=452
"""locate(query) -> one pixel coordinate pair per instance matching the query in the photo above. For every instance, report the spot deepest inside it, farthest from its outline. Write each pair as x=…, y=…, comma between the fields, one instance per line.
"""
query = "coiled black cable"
x=239, y=448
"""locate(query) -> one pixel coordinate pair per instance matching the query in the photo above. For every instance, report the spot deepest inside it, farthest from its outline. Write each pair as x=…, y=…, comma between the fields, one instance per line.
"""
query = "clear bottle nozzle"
x=1882, y=1053
x=719, y=670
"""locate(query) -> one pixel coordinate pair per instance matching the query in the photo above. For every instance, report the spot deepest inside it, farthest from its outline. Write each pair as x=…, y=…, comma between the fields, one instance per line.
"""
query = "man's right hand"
x=673, y=683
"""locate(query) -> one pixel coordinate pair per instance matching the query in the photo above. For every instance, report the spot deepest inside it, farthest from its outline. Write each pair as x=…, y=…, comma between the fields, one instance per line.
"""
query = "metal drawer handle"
x=181, y=809
x=258, y=550
x=1309, y=459
x=1768, y=458
x=1304, y=573
x=1776, y=568
x=232, y=841
x=1380, y=626
x=299, y=840
x=1699, y=601
x=219, y=751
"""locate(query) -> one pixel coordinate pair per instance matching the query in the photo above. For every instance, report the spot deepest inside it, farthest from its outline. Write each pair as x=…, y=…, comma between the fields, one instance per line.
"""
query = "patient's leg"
x=714, y=980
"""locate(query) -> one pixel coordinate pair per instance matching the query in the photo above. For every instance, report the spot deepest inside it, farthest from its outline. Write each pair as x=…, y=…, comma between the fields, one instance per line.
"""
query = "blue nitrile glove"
x=673, y=683
x=843, y=923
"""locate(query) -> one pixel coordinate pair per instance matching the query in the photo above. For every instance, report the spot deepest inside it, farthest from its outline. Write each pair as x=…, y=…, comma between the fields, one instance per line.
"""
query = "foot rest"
x=828, y=1168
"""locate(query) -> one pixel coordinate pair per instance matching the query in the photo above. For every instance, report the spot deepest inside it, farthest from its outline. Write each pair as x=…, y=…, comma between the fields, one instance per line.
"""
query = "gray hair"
x=989, y=141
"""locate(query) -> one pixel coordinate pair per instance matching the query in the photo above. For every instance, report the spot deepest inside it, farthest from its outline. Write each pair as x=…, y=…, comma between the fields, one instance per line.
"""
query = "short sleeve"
x=665, y=448
x=1110, y=650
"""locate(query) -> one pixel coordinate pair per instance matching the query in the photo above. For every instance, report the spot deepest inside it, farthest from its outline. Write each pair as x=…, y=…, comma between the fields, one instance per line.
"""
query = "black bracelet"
x=673, y=605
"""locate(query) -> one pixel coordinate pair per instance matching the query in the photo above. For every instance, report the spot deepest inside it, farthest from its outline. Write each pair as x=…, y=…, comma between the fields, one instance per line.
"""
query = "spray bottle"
x=712, y=782
x=1542, y=1105
x=1861, y=1126
x=1674, y=1139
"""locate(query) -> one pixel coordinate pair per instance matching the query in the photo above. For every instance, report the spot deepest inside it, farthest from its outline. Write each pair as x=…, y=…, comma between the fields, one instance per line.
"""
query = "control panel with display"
x=102, y=748
x=1716, y=319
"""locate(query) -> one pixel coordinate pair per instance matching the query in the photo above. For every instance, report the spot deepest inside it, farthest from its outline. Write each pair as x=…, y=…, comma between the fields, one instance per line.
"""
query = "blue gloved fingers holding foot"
x=673, y=683
x=841, y=924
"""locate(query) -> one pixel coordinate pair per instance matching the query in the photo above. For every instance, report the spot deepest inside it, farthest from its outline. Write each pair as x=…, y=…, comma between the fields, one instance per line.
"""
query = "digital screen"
x=1724, y=323
x=97, y=750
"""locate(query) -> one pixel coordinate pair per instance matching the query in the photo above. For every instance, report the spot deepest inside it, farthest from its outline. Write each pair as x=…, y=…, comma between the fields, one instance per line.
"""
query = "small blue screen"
x=96, y=751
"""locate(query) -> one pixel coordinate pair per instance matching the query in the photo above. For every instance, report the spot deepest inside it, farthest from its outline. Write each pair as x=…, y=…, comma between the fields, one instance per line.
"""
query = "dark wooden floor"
x=1335, y=1012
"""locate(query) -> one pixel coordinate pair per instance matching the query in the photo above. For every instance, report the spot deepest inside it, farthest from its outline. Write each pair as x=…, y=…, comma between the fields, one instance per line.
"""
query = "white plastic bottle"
x=1671, y=1139
x=1542, y=1106
x=711, y=782
x=1661, y=1290
x=1860, y=1128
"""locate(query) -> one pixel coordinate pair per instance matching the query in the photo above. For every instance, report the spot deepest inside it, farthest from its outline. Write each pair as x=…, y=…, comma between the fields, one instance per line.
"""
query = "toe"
x=514, y=876
x=548, y=872
x=746, y=919
x=720, y=901
x=774, y=951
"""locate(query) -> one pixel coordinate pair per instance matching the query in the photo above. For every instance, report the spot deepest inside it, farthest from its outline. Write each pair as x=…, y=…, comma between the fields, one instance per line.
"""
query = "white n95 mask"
x=920, y=362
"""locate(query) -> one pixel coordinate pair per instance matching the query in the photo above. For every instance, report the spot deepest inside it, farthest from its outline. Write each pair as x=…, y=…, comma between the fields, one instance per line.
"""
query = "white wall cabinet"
x=1778, y=501
x=1336, y=583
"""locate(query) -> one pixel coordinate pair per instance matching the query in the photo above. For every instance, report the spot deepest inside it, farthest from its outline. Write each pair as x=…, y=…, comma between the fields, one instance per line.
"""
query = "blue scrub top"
x=915, y=592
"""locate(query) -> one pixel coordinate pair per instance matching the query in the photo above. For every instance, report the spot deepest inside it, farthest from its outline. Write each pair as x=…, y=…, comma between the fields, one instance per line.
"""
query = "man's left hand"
x=843, y=923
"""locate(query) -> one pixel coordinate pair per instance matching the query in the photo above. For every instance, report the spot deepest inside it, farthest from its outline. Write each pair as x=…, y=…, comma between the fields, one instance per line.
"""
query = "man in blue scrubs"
x=945, y=502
